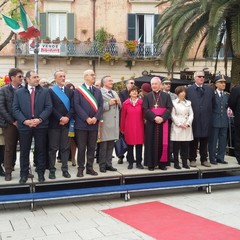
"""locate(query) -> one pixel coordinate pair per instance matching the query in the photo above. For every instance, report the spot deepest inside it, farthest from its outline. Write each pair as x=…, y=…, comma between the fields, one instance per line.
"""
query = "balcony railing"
x=89, y=49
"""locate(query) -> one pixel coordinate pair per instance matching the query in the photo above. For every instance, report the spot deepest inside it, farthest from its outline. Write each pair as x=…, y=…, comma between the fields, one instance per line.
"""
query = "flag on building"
x=137, y=41
x=27, y=30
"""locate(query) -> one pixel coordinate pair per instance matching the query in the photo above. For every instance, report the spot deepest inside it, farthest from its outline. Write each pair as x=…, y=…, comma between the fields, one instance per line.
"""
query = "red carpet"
x=164, y=222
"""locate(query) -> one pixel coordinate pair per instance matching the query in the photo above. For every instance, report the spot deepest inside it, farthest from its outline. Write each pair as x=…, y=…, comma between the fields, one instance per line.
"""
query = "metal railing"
x=92, y=49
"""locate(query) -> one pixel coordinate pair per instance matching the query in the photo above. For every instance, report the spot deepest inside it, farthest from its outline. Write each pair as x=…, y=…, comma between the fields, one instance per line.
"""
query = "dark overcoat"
x=202, y=105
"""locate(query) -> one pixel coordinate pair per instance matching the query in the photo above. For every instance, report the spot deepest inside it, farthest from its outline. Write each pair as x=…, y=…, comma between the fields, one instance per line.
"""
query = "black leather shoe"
x=111, y=168
x=177, y=166
x=151, y=168
x=52, y=175
x=139, y=166
x=80, y=173
x=103, y=170
x=221, y=161
x=91, y=172
x=186, y=166
x=66, y=174
x=8, y=177
x=23, y=180
x=41, y=178
x=130, y=166
x=214, y=162
x=164, y=168
x=120, y=161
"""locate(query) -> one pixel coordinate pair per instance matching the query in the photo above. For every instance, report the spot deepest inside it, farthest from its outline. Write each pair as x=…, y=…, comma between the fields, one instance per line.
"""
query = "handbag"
x=120, y=146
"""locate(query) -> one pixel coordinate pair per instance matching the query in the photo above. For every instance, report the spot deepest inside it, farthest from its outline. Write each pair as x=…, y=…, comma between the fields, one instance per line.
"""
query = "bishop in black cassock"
x=157, y=106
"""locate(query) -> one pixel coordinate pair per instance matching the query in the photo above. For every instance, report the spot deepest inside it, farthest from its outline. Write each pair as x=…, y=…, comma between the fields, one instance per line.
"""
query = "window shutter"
x=43, y=25
x=156, y=16
x=70, y=26
x=131, y=26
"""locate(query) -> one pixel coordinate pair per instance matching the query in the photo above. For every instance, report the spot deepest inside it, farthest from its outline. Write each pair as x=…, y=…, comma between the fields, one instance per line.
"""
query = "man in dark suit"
x=32, y=107
x=8, y=122
x=202, y=98
x=88, y=106
x=123, y=95
x=59, y=124
x=218, y=136
x=234, y=104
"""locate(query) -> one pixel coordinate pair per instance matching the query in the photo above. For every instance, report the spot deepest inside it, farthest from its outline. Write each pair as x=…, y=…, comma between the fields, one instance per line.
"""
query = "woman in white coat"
x=181, y=129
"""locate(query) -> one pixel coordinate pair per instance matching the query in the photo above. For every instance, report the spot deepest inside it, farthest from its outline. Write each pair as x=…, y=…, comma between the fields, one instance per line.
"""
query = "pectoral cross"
x=155, y=105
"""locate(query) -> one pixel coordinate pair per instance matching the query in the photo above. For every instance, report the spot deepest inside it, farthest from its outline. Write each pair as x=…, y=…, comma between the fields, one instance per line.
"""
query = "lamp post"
x=36, y=38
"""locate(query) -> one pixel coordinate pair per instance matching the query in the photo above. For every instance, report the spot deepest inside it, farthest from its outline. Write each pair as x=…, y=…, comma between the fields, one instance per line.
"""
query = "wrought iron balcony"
x=89, y=49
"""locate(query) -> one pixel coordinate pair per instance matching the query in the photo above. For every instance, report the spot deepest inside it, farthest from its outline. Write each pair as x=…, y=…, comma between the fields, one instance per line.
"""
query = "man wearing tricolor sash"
x=88, y=106
x=157, y=107
x=62, y=99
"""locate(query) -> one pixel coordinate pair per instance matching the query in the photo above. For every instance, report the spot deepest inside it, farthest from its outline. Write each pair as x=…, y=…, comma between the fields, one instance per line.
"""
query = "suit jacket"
x=220, y=105
x=234, y=104
x=123, y=95
x=202, y=104
x=110, y=127
x=22, y=106
x=6, y=100
x=84, y=110
x=59, y=110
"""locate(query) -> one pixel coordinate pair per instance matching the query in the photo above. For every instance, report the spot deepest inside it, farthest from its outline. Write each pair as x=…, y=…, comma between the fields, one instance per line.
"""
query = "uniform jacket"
x=219, y=115
x=234, y=104
x=110, y=126
x=132, y=122
x=59, y=109
x=6, y=100
x=22, y=106
x=84, y=110
x=182, y=113
x=202, y=104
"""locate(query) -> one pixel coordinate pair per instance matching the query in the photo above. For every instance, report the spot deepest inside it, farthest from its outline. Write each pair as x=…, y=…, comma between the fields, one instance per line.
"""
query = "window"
x=141, y=26
x=57, y=25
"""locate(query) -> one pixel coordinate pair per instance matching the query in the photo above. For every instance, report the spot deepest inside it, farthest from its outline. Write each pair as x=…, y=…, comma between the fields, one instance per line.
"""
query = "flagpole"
x=36, y=45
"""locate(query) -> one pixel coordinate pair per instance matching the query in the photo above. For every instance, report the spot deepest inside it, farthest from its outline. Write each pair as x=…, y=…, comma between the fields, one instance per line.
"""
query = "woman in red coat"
x=132, y=126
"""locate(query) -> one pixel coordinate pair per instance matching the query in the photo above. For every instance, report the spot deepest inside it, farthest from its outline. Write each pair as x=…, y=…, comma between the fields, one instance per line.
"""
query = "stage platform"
x=120, y=177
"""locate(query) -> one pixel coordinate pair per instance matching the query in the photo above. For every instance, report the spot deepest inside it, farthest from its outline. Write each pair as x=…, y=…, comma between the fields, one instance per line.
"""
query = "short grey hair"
x=200, y=71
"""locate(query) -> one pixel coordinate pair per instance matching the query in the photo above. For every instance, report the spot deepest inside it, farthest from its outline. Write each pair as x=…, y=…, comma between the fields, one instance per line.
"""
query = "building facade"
x=73, y=26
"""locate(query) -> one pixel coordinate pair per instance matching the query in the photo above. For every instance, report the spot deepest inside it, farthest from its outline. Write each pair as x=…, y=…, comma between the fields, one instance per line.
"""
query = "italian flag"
x=27, y=30
x=137, y=41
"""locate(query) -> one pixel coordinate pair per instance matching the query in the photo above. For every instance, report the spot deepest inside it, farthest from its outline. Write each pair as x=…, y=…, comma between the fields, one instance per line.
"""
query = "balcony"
x=89, y=50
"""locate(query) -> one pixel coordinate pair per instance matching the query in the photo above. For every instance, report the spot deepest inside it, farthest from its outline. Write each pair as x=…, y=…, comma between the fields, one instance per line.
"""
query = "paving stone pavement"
x=84, y=219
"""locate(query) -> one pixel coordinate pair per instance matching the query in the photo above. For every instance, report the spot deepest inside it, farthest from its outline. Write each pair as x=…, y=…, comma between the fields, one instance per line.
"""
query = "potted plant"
x=76, y=40
x=46, y=40
x=56, y=40
x=101, y=37
x=130, y=45
x=65, y=40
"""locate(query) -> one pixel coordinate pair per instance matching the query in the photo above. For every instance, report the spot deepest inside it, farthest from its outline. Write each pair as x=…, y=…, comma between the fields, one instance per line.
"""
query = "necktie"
x=221, y=94
x=32, y=101
x=110, y=92
x=62, y=89
x=90, y=89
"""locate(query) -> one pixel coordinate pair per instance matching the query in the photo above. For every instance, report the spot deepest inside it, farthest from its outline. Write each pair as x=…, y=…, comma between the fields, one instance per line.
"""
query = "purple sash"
x=159, y=111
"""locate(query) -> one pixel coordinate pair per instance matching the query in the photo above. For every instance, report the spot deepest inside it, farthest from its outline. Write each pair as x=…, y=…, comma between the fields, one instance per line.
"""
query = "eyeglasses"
x=20, y=76
x=131, y=83
x=92, y=74
x=201, y=76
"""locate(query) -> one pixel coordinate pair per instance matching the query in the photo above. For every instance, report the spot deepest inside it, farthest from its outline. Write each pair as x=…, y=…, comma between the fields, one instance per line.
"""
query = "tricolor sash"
x=62, y=96
x=88, y=96
x=159, y=111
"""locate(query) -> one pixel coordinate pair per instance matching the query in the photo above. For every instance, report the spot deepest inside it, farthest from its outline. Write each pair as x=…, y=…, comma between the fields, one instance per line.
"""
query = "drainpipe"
x=94, y=28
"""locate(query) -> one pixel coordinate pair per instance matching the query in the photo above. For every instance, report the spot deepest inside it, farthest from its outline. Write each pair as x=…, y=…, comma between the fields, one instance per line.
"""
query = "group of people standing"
x=165, y=123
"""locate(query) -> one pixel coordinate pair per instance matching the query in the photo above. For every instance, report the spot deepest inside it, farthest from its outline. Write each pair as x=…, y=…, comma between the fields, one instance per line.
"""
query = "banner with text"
x=46, y=49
